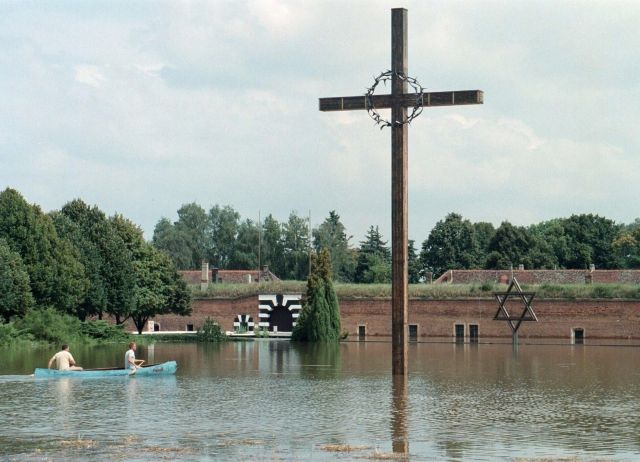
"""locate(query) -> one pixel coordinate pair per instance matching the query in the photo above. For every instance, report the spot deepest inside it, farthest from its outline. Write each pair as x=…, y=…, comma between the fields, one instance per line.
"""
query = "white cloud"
x=150, y=69
x=89, y=75
x=274, y=15
x=217, y=102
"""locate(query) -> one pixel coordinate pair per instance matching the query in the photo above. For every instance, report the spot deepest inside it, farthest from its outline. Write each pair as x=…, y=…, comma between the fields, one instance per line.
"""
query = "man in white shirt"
x=64, y=360
x=130, y=361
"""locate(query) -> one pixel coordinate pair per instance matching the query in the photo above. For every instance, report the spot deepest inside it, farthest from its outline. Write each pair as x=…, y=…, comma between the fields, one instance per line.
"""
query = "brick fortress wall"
x=604, y=318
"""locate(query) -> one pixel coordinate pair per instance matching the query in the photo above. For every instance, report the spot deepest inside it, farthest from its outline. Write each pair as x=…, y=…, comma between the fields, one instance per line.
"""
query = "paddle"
x=139, y=363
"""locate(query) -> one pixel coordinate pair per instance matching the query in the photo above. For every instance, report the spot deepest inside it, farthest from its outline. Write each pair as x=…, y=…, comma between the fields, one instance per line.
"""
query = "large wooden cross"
x=398, y=101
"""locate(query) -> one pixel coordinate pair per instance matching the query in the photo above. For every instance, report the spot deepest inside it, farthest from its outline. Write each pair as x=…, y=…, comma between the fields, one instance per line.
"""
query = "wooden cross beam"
x=398, y=101
x=440, y=98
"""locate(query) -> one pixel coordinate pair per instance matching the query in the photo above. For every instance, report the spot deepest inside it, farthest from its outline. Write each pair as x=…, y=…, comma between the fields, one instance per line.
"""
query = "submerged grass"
x=428, y=291
x=342, y=448
x=379, y=455
x=78, y=443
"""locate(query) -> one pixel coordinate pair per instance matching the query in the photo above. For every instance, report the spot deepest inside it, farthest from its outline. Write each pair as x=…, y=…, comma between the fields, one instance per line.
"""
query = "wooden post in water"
x=399, y=200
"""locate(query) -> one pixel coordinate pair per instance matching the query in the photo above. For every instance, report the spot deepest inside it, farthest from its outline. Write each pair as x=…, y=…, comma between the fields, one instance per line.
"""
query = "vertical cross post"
x=399, y=200
x=398, y=101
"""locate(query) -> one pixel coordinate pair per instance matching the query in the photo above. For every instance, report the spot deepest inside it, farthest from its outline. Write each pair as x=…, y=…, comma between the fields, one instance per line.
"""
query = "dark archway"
x=281, y=318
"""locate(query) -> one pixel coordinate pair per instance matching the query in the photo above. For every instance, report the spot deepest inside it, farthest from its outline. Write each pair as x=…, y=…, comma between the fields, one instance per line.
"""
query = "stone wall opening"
x=413, y=332
x=362, y=332
x=473, y=333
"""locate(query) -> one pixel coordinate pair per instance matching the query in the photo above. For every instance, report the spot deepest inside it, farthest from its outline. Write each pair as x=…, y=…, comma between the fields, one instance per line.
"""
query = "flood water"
x=273, y=400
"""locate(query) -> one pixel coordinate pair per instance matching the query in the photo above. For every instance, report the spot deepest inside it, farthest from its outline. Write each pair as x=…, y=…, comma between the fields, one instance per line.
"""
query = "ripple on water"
x=277, y=402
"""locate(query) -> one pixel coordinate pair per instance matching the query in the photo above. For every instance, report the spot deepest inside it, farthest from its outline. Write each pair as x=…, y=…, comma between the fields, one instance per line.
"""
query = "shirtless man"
x=64, y=360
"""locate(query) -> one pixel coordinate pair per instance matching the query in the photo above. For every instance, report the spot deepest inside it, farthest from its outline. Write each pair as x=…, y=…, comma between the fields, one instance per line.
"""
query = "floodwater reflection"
x=399, y=433
x=278, y=400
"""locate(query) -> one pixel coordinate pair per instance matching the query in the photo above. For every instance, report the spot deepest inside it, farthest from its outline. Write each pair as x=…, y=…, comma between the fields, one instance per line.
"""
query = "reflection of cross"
x=398, y=101
x=503, y=315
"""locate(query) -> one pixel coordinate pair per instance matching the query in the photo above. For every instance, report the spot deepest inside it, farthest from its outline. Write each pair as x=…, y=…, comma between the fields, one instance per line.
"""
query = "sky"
x=141, y=107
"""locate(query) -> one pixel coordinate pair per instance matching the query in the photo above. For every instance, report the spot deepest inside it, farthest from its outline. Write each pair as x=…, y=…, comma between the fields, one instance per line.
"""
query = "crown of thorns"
x=384, y=77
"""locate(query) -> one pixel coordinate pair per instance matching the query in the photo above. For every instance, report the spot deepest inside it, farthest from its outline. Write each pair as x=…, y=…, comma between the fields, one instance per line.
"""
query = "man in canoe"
x=64, y=360
x=130, y=361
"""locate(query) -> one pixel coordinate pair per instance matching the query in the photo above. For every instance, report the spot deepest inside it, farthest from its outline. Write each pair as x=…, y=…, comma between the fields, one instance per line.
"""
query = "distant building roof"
x=562, y=276
x=229, y=276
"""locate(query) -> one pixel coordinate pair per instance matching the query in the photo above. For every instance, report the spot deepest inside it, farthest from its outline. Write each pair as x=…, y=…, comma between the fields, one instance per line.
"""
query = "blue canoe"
x=166, y=368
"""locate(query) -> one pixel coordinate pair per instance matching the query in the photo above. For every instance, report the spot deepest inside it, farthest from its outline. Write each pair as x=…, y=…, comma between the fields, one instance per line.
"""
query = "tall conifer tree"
x=320, y=317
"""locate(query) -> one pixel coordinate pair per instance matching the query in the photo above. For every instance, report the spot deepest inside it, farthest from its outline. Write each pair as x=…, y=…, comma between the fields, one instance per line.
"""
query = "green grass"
x=225, y=290
x=429, y=291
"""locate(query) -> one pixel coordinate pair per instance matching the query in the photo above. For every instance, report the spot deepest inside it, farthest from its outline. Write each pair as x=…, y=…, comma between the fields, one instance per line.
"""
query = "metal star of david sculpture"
x=515, y=291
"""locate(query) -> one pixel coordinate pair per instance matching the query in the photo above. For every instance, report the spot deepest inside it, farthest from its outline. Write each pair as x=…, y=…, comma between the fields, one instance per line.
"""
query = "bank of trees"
x=221, y=237
x=226, y=241
x=79, y=262
x=571, y=243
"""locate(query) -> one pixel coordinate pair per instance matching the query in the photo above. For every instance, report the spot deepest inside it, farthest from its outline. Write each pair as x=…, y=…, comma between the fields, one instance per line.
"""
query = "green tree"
x=373, y=269
x=15, y=292
x=626, y=246
x=72, y=280
x=374, y=259
x=95, y=300
x=295, y=238
x=272, y=245
x=320, y=316
x=451, y=245
x=56, y=275
x=483, y=232
x=158, y=288
x=222, y=230
x=115, y=265
x=631, y=227
x=192, y=225
x=552, y=234
x=331, y=235
x=414, y=263
x=174, y=242
x=509, y=247
x=541, y=253
x=245, y=252
x=590, y=240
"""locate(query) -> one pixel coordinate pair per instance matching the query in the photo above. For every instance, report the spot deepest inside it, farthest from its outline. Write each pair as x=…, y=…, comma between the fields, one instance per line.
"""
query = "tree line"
x=221, y=237
x=80, y=262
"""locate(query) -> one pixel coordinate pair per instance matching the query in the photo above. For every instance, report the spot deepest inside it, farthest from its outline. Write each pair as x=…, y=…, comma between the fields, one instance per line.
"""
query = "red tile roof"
x=230, y=276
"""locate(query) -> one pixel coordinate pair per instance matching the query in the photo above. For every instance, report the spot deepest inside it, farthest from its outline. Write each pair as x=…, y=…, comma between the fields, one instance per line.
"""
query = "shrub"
x=50, y=326
x=602, y=291
x=102, y=330
x=210, y=332
x=9, y=334
x=260, y=331
x=487, y=286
